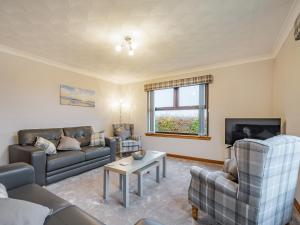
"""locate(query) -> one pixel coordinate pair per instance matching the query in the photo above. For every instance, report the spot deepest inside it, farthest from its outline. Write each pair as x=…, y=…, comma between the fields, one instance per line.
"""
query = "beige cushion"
x=68, y=143
x=98, y=139
x=230, y=167
x=46, y=145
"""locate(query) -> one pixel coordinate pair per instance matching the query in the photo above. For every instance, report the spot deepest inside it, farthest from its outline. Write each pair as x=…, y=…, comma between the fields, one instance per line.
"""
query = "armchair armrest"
x=16, y=175
x=33, y=156
x=205, y=183
x=111, y=142
x=136, y=138
x=226, y=186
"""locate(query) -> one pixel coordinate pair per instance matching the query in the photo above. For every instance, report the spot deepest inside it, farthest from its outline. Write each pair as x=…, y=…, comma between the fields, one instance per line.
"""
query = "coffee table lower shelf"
x=125, y=167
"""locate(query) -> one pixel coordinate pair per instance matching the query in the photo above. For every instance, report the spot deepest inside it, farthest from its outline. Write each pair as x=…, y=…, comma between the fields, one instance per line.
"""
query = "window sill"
x=182, y=136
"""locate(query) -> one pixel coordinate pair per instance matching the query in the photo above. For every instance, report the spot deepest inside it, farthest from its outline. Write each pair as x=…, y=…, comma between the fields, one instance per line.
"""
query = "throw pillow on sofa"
x=98, y=139
x=19, y=212
x=46, y=145
x=3, y=192
x=68, y=143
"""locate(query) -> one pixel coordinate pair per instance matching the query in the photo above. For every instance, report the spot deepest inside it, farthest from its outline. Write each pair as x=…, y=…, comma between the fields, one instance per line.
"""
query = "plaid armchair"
x=126, y=141
x=264, y=191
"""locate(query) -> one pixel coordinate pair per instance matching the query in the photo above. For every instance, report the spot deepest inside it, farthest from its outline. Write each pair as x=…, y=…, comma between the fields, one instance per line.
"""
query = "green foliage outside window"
x=173, y=124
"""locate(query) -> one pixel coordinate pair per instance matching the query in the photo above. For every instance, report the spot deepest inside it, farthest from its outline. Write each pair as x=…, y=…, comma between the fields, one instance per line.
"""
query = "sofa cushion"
x=28, y=137
x=72, y=216
x=19, y=212
x=46, y=145
x=3, y=191
x=64, y=158
x=82, y=134
x=98, y=139
x=36, y=194
x=95, y=152
x=68, y=144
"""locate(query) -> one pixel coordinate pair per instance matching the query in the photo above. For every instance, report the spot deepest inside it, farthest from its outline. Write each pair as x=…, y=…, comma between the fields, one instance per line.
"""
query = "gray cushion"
x=81, y=134
x=19, y=212
x=68, y=143
x=64, y=158
x=123, y=133
x=36, y=194
x=3, y=192
x=72, y=216
x=95, y=152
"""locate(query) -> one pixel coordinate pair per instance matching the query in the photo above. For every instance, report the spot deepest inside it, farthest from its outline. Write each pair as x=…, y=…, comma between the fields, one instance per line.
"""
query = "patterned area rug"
x=166, y=202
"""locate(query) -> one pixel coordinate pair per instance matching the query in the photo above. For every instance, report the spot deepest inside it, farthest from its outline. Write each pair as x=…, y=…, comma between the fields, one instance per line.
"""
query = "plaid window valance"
x=206, y=79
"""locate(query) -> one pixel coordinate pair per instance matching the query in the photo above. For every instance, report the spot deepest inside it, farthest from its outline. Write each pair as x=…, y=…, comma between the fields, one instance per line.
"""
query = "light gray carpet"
x=166, y=202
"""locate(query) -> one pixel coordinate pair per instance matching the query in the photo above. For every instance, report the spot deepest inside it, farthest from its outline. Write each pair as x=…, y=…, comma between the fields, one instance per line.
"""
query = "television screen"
x=236, y=129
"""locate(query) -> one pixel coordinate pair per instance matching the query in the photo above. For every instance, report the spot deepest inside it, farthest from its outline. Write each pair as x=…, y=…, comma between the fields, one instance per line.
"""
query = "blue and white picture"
x=76, y=96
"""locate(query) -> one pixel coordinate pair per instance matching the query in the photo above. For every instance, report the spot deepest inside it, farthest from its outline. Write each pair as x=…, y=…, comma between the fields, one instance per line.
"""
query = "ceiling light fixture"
x=128, y=44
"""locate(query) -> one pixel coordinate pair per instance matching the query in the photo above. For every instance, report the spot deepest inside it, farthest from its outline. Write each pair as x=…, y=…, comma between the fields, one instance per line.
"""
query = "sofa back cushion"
x=81, y=134
x=28, y=137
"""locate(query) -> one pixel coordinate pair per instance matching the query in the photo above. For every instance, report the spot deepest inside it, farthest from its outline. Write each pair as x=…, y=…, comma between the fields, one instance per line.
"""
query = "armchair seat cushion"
x=36, y=194
x=95, y=152
x=63, y=159
x=130, y=143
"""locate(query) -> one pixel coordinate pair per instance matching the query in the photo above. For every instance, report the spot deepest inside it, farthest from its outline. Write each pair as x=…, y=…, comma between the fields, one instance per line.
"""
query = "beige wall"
x=237, y=91
x=287, y=88
x=29, y=98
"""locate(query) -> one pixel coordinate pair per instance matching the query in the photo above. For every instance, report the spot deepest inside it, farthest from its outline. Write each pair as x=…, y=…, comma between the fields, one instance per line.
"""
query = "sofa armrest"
x=33, y=156
x=16, y=175
x=111, y=142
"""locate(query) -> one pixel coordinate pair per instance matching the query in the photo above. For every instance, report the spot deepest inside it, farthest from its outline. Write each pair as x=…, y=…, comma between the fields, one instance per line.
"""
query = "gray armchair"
x=262, y=194
x=126, y=141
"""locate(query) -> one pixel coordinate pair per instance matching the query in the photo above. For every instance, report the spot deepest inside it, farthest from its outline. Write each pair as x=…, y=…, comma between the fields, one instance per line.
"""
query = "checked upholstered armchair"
x=263, y=191
x=126, y=141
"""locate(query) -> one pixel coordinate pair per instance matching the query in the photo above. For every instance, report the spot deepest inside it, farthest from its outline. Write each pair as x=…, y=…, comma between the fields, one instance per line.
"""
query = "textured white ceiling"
x=172, y=34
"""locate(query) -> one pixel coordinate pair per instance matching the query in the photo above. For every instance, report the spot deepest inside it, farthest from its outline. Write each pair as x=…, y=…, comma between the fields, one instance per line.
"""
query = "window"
x=180, y=110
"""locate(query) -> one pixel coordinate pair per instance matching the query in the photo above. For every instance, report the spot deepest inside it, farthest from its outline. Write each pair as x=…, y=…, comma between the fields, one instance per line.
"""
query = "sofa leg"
x=195, y=213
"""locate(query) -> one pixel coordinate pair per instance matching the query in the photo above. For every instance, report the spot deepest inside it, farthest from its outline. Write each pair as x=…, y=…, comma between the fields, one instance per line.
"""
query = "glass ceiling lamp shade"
x=127, y=44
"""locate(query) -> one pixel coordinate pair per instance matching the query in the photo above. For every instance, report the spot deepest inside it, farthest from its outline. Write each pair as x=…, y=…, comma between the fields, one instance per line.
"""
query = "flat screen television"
x=239, y=128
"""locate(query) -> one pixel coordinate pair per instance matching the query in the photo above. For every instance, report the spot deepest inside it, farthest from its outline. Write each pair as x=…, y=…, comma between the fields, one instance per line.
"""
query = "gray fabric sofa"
x=52, y=168
x=18, y=178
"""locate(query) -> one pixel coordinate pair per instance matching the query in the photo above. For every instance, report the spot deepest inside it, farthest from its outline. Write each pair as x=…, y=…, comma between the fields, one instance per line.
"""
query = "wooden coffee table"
x=126, y=166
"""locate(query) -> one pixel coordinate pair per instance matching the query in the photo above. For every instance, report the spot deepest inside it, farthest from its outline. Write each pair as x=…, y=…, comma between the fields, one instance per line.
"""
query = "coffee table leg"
x=164, y=166
x=120, y=181
x=105, y=184
x=157, y=174
x=140, y=185
x=126, y=190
